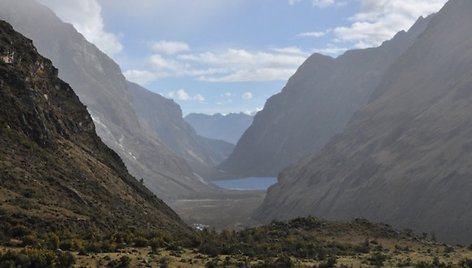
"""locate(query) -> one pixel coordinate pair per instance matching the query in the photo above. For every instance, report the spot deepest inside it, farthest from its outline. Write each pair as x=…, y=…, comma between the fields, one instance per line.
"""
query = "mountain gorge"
x=315, y=105
x=56, y=173
x=405, y=157
x=164, y=118
x=100, y=85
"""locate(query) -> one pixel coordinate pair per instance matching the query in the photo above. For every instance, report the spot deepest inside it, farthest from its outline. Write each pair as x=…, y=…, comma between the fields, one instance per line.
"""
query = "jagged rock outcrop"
x=405, y=158
x=315, y=105
x=56, y=174
x=227, y=128
x=100, y=85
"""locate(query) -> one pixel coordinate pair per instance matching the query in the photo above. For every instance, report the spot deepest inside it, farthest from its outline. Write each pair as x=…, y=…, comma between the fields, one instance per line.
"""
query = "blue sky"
x=231, y=55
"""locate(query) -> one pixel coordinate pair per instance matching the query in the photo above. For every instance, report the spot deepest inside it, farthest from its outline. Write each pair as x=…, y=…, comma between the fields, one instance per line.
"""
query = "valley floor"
x=232, y=210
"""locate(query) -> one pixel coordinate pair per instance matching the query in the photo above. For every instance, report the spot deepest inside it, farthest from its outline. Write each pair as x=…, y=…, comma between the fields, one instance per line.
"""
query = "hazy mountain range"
x=405, y=157
x=164, y=118
x=227, y=128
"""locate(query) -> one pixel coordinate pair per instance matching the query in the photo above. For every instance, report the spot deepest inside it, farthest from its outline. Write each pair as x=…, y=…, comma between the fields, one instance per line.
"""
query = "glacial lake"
x=251, y=183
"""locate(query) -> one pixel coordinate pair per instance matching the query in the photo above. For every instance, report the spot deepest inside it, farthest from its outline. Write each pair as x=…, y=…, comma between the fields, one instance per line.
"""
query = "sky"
x=223, y=56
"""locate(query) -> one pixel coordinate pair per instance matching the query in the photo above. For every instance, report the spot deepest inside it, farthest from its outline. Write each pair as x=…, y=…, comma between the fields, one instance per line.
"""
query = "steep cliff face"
x=227, y=128
x=404, y=159
x=164, y=118
x=56, y=174
x=315, y=105
x=100, y=85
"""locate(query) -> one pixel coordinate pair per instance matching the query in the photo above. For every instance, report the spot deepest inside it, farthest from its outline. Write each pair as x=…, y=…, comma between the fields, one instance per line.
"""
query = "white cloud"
x=182, y=95
x=230, y=65
x=289, y=50
x=86, y=17
x=293, y=2
x=253, y=112
x=323, y=3
x=247, y=96
x=331, y=50
x=141, y=77
x=320, y=3
x=227, y=95
x=312, y=34
x=170, y=47
x=380, y=20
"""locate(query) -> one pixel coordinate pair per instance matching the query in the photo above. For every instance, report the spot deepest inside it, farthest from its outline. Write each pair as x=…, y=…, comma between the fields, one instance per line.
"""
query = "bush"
x=123, y=262
x=466, y=263
x=377, y=259
x=330, y=263
x=65, y=259
x=29, y=258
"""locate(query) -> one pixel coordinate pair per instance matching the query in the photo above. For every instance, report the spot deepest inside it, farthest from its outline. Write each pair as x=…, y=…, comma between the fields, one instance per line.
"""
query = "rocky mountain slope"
x=405, y=158
x=100, y=85
x=164, y=118
x=56, y=174
x=315, y=105
x=227, y=128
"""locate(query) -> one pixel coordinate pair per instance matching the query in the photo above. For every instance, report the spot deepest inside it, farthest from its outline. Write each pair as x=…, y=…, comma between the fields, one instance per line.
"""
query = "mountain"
x=100, y=85
x=56, y=173
x=227, y=128
x=405, y=158
x=315, y=105
x=164, y=118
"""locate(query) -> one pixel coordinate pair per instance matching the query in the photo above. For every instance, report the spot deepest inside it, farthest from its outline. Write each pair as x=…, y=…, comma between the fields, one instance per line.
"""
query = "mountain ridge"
x=314, y=106
x=57, y=174
x=99, y=83
x=404, y=157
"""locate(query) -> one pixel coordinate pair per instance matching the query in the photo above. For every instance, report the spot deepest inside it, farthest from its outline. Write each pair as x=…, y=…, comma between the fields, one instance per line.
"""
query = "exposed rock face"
x=164, y=118
x=315, y=105
x=227, y=128
x=405, y=158
x=100, y=85
x=56, y=174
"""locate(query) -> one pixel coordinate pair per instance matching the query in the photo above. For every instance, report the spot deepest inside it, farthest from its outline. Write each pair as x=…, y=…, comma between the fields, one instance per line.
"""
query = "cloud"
x=230, y=65
x=247, y=96
x=86, y=17
x=141, y=77
x=170, y=47
x=290, y=50
x=331, y=50
x=312, y=34
x=182, y=95
x=380, y=20
x=293, y=2
x=320, y=3
x=323, y=3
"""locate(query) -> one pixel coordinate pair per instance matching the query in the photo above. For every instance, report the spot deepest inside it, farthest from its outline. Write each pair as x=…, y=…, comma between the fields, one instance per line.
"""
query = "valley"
x=363, y=159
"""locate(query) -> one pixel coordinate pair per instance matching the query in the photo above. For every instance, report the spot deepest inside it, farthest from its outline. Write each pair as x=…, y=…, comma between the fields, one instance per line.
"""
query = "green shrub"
x=123, y=262
x=466, y=263
x=28, y=258
x=377, y=259
x=330, y=263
